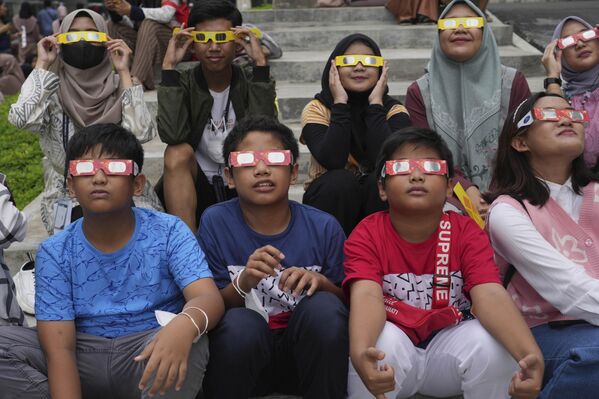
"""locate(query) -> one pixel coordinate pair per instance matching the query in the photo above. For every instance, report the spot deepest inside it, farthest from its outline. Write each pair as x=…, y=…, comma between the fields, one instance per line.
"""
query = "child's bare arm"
x=58, y=340
x=168, y=352
x=497, y=313
x=366, y=321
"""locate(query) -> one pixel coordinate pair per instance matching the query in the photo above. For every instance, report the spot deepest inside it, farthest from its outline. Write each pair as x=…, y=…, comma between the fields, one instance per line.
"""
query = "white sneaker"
x=25, y=286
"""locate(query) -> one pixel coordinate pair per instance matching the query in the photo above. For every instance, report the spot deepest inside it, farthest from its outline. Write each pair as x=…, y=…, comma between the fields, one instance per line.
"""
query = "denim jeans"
x=571, y=360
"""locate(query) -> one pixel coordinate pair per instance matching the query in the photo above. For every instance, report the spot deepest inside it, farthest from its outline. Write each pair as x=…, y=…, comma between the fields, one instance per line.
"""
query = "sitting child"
x=99, y=283
x=415, y=275
x=543, y=223
x=283, y=259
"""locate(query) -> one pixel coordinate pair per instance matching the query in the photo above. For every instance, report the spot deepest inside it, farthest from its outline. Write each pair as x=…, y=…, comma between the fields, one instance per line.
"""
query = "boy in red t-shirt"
x=413, y=273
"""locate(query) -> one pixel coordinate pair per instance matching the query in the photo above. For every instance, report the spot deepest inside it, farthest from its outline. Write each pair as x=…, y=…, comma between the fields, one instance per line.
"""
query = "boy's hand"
x=337, y=90
x=47, y=51
x=261, y=264
x=253, y=48
x=177, y=47
x=120, y=54
x=167, y=356
x=296, y=279
x=378, y=379
x=526, y=383
x=376, y=96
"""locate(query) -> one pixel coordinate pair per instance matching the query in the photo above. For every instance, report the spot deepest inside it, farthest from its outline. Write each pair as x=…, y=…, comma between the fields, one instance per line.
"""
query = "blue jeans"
x=571, y=360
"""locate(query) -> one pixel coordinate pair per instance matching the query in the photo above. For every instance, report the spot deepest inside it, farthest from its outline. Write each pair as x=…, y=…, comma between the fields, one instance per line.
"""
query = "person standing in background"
x=26, y=23
x=45, y=18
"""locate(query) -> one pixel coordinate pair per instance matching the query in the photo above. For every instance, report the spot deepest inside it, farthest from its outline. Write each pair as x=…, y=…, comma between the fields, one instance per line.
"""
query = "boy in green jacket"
x=198, y=107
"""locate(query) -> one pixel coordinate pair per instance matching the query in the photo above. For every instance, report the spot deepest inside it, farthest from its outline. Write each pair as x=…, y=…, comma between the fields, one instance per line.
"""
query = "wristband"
x=235, y=284
x=205, y=317
x=549, y=81
x=194, y=324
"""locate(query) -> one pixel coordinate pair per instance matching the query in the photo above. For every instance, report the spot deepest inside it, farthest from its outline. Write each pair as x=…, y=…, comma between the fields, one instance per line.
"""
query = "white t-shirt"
x=209, y=153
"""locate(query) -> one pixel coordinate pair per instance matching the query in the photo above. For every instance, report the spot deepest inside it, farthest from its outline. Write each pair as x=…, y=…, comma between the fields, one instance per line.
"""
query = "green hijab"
x=463, y=103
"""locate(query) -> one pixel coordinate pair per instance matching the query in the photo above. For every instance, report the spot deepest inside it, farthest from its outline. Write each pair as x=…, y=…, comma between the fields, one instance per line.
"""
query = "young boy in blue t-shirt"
x=278, y=265
x=100, y=287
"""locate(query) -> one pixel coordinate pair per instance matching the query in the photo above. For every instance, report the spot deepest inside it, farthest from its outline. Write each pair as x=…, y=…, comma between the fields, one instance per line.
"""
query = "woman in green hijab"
x=466, y=93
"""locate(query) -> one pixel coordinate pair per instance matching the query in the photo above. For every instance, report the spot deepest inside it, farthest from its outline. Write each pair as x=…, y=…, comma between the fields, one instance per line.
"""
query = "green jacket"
x=185, y=104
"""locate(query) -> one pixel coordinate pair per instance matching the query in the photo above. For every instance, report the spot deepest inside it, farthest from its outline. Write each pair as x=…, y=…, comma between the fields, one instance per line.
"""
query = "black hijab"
x=358, y=102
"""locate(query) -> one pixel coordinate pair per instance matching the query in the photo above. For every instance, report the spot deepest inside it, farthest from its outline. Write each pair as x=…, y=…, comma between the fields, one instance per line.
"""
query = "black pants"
x=308, y=358
x=345, y=196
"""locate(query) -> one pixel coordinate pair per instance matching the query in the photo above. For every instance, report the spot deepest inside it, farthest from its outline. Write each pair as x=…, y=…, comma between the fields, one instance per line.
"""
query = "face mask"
x=82, y=55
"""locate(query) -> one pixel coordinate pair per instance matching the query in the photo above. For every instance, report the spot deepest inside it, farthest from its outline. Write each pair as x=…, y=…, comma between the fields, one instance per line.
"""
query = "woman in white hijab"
x=79, y=80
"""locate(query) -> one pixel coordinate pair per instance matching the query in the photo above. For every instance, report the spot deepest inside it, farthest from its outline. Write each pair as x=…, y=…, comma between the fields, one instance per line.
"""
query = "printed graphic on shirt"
x=417, y=290
x=209, y=153
x=568, y=246
x=530, y=312
x=271, y=297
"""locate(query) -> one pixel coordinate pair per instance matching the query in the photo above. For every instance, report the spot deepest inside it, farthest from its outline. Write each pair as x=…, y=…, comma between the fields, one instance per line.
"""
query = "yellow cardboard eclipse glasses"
x=88, y=36
x=354, y=59
x=216, y=37
x=466, y=23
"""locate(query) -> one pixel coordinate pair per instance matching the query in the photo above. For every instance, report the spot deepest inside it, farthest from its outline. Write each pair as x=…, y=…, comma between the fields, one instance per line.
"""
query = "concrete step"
x=386, y=35
x=345, y=15
x=404, y=64
x=293, y=97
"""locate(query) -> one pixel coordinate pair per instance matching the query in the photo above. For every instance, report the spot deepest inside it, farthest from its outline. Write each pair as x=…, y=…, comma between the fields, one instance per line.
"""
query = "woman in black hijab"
x=344, y=128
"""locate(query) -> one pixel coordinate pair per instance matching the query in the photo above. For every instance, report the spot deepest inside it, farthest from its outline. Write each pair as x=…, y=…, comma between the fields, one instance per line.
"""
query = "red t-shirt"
x=374, y=251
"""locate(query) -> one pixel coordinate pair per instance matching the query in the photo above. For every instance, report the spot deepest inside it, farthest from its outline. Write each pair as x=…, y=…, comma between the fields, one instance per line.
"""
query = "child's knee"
x=239, y=331
x=178, y=156
x=325, y=316
x=486, y=355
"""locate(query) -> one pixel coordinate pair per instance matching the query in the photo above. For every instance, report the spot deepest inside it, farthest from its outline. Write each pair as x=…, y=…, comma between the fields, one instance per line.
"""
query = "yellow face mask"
x=354, y=59
x=88, y=36
x=216, y=37
x=466, y=23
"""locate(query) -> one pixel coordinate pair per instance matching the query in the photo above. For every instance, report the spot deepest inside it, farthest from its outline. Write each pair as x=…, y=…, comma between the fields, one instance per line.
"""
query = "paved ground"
x=535, y=21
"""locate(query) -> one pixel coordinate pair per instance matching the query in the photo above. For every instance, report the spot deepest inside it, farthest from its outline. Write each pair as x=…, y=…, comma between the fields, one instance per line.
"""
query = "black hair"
x=26, y=11
x=113, y=140
x=208, y=10
x=262, y=124
x=421, y=138
x=47, y=3
x=512, y=174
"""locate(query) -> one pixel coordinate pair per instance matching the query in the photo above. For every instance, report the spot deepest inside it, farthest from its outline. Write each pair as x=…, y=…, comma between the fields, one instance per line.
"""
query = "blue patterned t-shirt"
x=115, y=294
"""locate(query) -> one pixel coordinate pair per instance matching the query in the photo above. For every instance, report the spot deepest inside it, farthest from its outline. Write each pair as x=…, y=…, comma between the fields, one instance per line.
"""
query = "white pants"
x=464, y=359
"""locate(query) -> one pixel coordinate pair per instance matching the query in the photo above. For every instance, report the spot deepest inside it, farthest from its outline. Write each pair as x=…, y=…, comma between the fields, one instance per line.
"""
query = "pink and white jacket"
x=567, y=289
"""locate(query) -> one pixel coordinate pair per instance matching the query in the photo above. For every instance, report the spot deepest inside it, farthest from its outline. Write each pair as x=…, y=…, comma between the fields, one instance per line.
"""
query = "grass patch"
x=20, y=158
x=265, y=6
